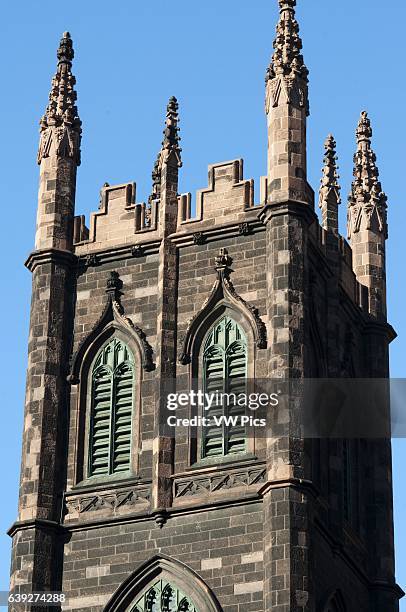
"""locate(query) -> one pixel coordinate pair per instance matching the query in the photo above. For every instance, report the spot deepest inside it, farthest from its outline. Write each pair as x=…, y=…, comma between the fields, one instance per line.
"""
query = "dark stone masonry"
x=290, y=524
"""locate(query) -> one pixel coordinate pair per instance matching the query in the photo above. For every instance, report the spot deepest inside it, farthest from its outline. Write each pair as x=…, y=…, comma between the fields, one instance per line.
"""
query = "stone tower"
x=123, y=514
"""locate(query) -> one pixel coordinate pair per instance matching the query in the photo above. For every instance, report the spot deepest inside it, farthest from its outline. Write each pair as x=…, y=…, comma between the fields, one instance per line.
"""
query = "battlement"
x=120, y=220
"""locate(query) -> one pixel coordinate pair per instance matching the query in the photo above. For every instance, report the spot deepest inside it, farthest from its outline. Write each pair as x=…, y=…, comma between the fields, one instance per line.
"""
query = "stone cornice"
x=380, y=328
x=246, y=226
x=38, y=524
x=47, y=256
x=294, y=483
x=196, y=508
x=296, y=209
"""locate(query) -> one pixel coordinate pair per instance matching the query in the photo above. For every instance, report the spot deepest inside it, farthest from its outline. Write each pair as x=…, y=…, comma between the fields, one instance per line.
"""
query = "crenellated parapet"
x=227, y=198
x=121, y=220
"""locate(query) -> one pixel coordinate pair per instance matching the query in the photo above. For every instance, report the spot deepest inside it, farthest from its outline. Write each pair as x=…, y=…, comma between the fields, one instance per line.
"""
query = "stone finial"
x=170, y=143
x=287, y=59
x=329, y=195
x=113, y=286
x=60, y=126
x=367, y=203
x=222, y=261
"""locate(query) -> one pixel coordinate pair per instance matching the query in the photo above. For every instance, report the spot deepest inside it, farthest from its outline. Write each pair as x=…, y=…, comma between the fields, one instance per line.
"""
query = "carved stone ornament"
x=199, y=238
x=244, y=229
x=137, y=251
x=113, y=317
x=223, y=292
x=219, y=482
x=110, y=502
x=91, y=260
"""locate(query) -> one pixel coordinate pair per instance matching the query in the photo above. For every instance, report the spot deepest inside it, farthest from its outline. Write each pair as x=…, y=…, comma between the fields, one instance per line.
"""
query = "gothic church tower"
x=119, y=513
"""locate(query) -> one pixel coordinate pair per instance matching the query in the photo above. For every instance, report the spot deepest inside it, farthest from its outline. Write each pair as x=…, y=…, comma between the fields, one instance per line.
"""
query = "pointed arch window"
x=163, y=596
x=224, y=371
x=111, y=408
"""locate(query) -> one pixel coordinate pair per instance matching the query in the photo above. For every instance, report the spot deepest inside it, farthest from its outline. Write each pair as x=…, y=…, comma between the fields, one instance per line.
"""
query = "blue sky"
x=130, y=57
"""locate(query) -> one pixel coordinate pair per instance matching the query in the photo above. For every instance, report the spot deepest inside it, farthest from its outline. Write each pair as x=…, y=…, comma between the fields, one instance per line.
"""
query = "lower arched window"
x=111, y=407
x=224, y=378
x=163, y=596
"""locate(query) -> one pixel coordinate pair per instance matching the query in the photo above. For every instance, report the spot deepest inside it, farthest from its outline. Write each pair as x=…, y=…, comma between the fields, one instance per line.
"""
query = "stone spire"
x=367, y=222
x=329, y=195
x=287, y=107
x=366, y=202
x=60, y=126
x=287, y=59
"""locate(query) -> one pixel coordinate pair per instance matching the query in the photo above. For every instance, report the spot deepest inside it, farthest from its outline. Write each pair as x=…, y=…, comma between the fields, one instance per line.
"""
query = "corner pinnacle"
x=60, y=126
x=287, y=59
x=366, y=202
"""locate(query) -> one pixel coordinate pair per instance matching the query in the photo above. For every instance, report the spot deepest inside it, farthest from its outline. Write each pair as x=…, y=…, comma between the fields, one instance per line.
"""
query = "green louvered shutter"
x=123, y=403
x=112, y=392
x=236, y=372
x=213, y=438
x=100, y=425
x=225, y=371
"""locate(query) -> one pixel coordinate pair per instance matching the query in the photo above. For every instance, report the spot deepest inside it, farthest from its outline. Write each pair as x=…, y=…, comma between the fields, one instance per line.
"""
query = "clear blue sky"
x=130, y=57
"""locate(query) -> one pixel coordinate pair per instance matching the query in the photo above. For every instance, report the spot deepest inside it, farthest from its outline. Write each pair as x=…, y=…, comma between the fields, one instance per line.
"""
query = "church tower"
x=121, y=512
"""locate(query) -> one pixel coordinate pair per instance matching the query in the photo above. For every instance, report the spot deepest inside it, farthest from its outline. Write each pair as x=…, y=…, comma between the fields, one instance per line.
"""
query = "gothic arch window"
x=111, y=403
x=163, y=596
x=163, y=584
x=224, y=370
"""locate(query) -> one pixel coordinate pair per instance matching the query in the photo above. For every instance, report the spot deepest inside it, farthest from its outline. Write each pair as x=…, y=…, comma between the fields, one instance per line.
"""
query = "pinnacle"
x=62, y=98
x=366, y=174
x=287, y=59
x=172, y=139
x=366, y=189
x=61, y=111
x=329, y=195
x=330, y=177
